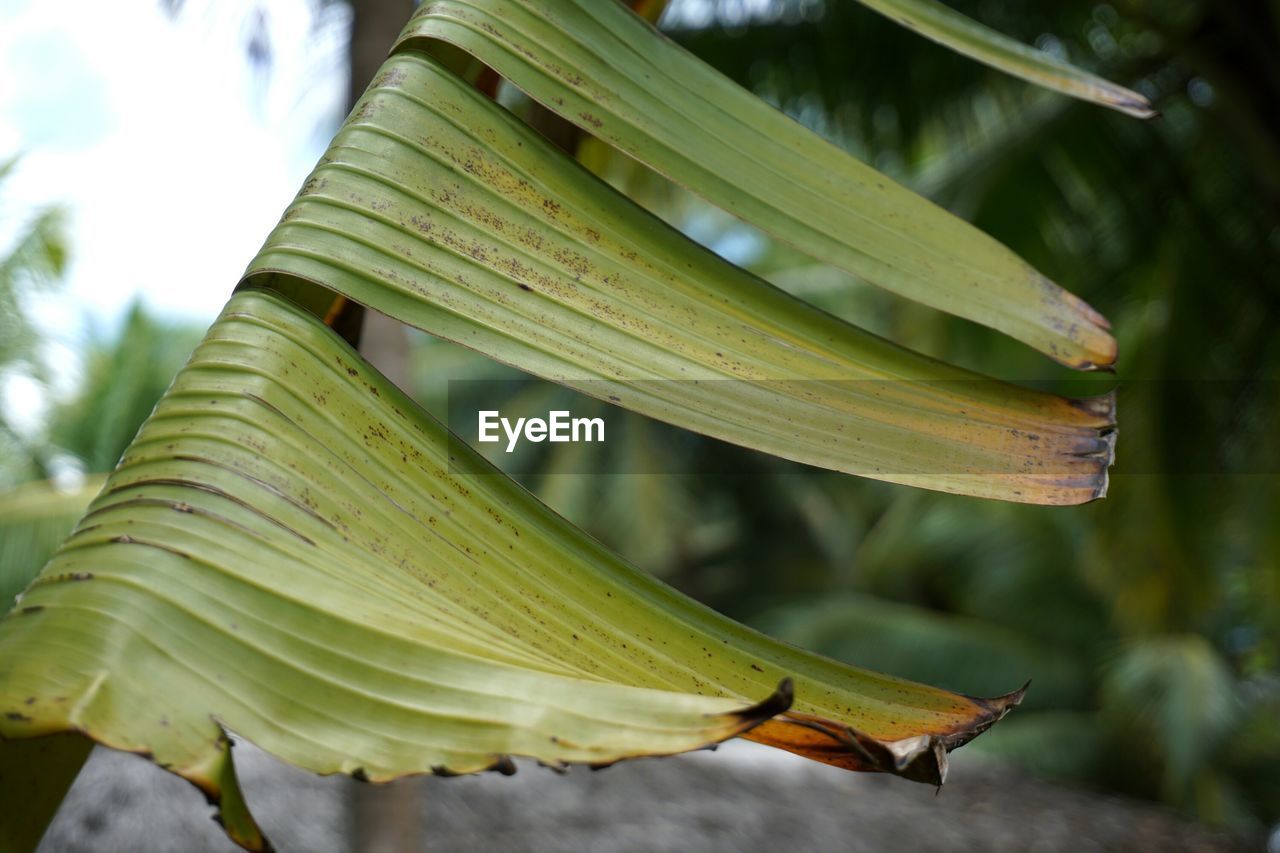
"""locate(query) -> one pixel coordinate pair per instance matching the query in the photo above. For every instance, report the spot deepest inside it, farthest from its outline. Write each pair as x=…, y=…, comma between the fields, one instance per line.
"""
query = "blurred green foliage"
x=84, y=432
x=123, y=377
x=33, y=260
x=34, y=519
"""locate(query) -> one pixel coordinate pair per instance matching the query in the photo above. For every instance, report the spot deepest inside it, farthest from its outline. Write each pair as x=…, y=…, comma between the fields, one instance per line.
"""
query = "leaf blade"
x=944, y=25
x=602, y=68
x=437, y=207
x=287, y=553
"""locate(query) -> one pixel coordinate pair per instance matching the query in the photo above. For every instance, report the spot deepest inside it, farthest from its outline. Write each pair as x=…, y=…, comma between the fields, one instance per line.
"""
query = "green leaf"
x=946, y=26
x=291, y=552
x=606, y=70
x=436, y=206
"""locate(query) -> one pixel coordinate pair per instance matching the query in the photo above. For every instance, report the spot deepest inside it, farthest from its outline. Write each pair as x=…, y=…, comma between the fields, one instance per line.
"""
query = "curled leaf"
x=289, y=552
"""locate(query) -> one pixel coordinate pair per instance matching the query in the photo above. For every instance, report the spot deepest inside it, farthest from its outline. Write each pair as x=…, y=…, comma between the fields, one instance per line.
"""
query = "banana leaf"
x=436, y=206
x=293, y=552
x=615, y=76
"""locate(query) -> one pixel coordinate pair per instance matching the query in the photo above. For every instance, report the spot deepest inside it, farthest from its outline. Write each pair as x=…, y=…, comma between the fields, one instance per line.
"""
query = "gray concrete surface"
x=740, y=798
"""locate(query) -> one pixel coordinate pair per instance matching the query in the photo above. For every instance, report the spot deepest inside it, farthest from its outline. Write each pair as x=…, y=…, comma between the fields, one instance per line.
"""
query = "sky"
x=172, y=152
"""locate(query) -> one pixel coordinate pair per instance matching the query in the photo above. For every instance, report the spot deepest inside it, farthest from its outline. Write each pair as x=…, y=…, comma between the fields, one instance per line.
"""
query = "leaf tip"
x=220, y=784
x=1004, y=704
x=777, y=702
x=1131, y=103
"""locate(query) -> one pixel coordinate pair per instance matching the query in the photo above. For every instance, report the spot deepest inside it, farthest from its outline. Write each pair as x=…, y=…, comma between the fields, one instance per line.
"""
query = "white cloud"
x=172, y=155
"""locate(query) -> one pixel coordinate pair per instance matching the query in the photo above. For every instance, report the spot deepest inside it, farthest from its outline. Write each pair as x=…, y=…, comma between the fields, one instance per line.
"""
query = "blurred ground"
x=742, y=797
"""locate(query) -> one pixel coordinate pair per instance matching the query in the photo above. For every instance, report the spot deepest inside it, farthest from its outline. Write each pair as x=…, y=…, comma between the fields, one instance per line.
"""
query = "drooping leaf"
x=437, y=207
x=940, y=23
x=291, y=550
x=603, y=68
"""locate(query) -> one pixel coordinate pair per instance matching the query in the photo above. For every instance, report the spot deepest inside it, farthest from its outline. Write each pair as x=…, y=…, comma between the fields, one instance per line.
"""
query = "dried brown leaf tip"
x=778, y=702
x=920, y=758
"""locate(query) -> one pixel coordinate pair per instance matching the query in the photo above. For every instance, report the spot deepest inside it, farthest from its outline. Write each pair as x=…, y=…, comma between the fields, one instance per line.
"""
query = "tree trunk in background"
x=374, y=26
x=384, y=818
